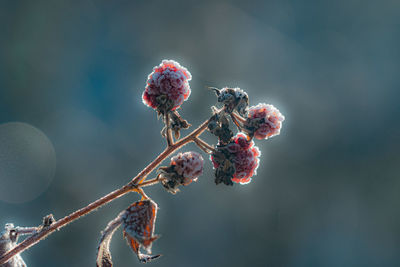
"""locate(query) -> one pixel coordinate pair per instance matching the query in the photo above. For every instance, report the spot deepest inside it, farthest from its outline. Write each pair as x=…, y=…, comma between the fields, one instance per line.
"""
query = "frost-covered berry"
x=183, y=169
x=189, y=165
x=264, y=121
x=237, y=161
x=167, y=86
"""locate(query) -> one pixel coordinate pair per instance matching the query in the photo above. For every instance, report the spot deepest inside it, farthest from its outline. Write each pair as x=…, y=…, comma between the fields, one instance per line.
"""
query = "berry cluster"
x=235, y=158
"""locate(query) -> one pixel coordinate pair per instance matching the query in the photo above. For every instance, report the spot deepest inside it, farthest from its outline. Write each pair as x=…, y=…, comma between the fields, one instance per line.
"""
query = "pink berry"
x=265, y=120
x=167, y=86
x=246, y=160
x=189, y=165
x=242, y=154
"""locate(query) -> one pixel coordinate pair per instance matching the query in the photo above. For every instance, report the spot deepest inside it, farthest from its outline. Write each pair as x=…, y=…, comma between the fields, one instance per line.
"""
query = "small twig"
x=238, y=117
x=170, y=140
x=142, y=193
x=207, y=151
x=151, y=182
x=26, y=230
x=235, y=121
x=204, y=145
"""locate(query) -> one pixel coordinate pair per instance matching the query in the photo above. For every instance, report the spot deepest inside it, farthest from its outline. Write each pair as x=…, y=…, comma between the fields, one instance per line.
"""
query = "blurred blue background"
x=73, y=127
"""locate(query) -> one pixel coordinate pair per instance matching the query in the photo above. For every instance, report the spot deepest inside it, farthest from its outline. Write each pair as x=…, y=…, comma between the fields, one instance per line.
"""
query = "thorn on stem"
x=48, y=220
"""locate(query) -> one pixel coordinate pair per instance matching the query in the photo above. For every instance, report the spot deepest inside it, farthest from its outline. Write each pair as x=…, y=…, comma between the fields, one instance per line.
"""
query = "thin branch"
x=151, y=182
x=235, y=121
x=142, y=193
x=133, y=184
x=26, y=230
x=170, y=140
x=204, y=145
x=238, y=117
x=207, y=151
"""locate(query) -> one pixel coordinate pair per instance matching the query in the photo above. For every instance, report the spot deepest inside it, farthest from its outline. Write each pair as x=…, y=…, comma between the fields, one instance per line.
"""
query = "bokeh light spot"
x=27, y=162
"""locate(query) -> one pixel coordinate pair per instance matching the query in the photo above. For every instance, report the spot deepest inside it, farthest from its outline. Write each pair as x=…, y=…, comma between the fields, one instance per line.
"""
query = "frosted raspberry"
x=237, y=161
x=183, y=169
x=246, y=164
x=264, y=121
x=167, y=86
x=189, y=165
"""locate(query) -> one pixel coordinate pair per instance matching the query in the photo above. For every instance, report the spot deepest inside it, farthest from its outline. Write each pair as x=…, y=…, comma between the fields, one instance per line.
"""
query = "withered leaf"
x=143, y=258
x=103, y=251
x=138, y=221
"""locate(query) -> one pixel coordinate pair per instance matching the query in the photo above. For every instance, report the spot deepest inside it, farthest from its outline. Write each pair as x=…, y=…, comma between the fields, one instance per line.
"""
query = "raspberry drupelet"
x=167, y=86
x=264, y=121
x=237, y=161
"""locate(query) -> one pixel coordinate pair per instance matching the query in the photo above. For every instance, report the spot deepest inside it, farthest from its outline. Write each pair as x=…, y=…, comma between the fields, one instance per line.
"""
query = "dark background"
x=73, y=127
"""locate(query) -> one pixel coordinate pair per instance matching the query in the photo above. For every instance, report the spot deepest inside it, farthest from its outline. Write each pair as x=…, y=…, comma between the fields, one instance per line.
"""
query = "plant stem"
x=26, y=230
x=236, y=123
x=151, y=182
x=238, y=117
x=168, y=134
x=204, y=145
x=132, y=185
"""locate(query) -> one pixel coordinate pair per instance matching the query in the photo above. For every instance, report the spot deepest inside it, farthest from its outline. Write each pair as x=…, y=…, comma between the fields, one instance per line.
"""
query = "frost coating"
x=189, y=165
x=167, y=86
x=265, y=121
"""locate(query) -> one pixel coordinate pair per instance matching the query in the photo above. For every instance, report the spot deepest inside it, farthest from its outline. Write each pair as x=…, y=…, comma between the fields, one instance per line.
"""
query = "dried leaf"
x=103, y=251
x=143, y=258
x=138, y=222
